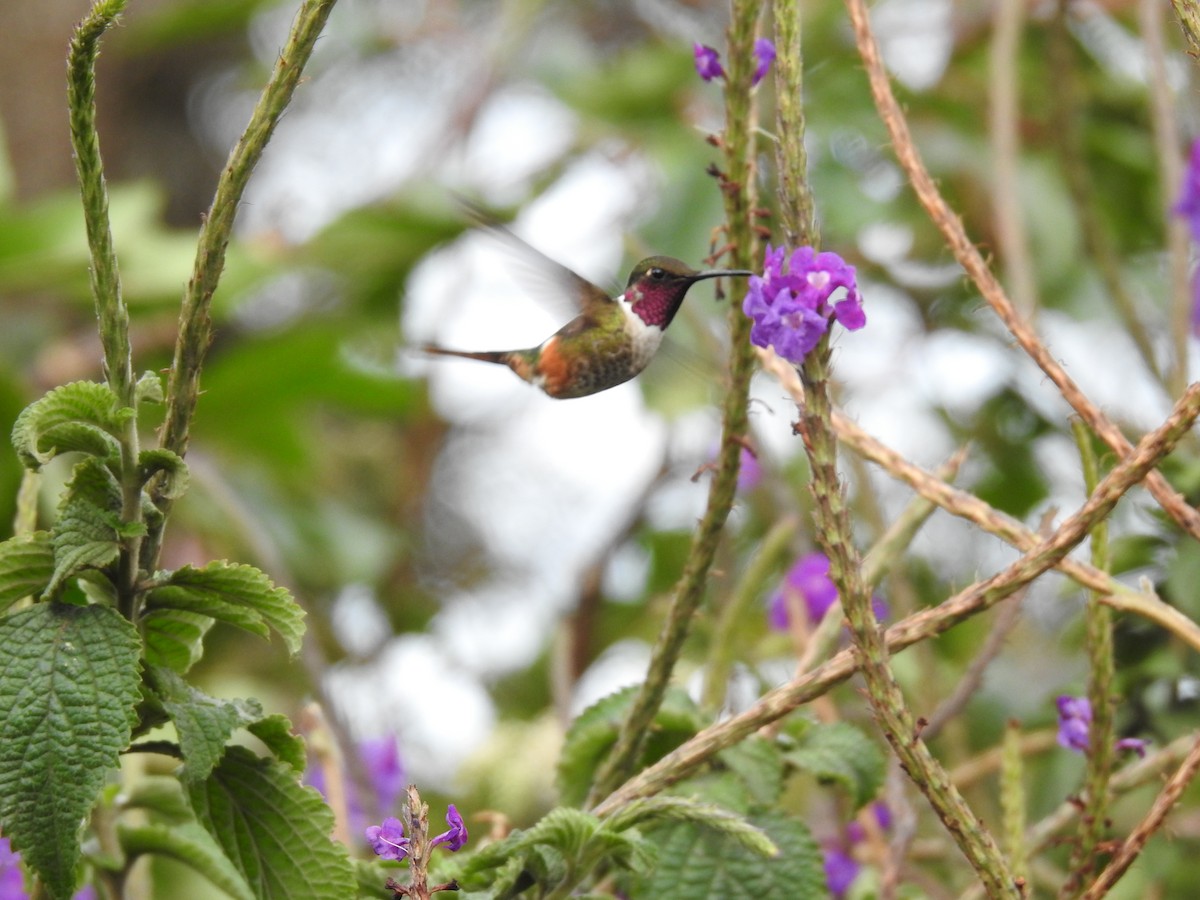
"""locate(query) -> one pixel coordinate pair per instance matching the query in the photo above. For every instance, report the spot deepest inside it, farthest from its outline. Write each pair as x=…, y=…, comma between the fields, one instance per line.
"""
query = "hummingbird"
x=611, y=340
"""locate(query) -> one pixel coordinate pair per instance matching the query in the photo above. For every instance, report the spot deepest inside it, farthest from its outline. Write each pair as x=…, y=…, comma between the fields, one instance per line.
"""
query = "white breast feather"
x=646, y=338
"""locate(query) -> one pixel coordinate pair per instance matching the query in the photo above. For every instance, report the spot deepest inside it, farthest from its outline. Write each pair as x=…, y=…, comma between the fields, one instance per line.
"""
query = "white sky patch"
x=439, y=714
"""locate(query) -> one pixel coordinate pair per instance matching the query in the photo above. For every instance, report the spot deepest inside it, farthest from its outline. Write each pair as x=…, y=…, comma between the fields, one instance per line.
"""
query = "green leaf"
x=160, y=794
x=174, y=638
x=594, y=732
x=236, y=594
x=69, y=683
x=26, y=567
x=204, y=723
x=149, y=388
x=274, y=830
x=84, y=416
x=89, y=527
x=172, y=467
x=699, y=863
x=666, y=808
x=843, y=753
x=276, y=732
x=758, y=763
x=191, y=845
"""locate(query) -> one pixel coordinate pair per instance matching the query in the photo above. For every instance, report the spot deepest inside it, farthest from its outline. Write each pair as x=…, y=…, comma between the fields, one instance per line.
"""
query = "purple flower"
x=809, y=578
x=1134, y=745
x=381, y=762
x=840, y=871
x=456, y=836
x=749, y=471
x=790, y=303
x=1188, y=207
x=764, y=54
x=388, y=840
x=708, y=62
x=1074, y=719
x=12, y=883
x=855, y=833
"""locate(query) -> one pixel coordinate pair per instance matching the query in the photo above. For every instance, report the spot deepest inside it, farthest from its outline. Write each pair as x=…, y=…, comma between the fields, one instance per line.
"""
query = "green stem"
x=1099, y=641
x=737, y=185
x=85, y=141
x=745, y=596
x=1012, y=802
x=834, y=532
x=798, y=210
x=1188, y=12
x=195, y=324
x=927, y=623
x=111, y=310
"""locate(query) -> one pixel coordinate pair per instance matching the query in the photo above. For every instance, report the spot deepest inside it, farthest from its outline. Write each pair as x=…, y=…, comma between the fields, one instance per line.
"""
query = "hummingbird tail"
x=492, y=356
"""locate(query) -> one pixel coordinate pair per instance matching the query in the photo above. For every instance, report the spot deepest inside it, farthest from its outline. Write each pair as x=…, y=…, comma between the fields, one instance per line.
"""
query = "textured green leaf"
x=699, y=863
x=276, y=732
x=26, y=566
x=236, y=594
x=172, y=467
x=149, y=388
x=665, y=808
x=842, y=753
x=204, y=723
x=758, y=763
x=89, y=523
x=594, y=732
x=275, y=831
x=191, y=845
x=174, y=638
x=83, y=415
x=69, y=683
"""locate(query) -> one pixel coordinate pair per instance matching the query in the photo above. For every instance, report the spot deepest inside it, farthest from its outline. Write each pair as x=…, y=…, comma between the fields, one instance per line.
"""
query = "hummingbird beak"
x=720, y=273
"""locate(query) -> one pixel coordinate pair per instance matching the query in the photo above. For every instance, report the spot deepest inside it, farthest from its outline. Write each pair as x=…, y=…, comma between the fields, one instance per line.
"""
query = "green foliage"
x=26, y=567
x=69, y=683
x=265, y=821
x=593, y=733
x=204, y=723
x=82, y=416
x=235, y=594
x=841, y=753
x=703, y=863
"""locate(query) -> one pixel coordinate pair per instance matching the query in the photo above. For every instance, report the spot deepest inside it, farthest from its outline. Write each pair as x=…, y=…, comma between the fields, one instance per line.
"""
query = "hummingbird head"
x=658, y=285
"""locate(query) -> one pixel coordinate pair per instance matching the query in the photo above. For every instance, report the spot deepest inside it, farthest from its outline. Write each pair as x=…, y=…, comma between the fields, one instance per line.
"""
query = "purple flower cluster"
x=708, y=60
x=841, y=868
x=12, y=882
x=809, y=578
x=1074, y=722
x=388, y=840
x=791, y=303
x=1188, y=207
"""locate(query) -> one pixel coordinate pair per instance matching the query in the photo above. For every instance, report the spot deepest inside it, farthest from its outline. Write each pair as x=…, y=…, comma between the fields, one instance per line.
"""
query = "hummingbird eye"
x=658, y=274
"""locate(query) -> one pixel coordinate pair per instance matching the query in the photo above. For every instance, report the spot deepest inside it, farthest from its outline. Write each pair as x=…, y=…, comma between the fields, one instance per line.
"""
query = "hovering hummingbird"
x=611, y=340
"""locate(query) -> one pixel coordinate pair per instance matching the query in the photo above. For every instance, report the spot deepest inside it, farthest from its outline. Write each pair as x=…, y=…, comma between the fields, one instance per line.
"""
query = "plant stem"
x=195, y=324
x=737, y=186
x=1099, y=642
x=111, y=310
x=835, y=534
x=923, y=625
x=969, y=257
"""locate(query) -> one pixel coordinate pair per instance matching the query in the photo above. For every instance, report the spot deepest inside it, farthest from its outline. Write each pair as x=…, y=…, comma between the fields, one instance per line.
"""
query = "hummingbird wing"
x=546, y=276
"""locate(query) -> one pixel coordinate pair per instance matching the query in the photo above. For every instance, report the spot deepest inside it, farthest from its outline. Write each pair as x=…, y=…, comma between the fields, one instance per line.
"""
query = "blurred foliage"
x=317, y=457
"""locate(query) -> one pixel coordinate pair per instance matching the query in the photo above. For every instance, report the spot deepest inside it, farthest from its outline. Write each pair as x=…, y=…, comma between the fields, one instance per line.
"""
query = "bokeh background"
x=479, y=562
